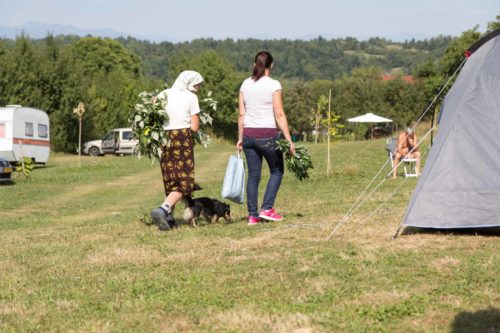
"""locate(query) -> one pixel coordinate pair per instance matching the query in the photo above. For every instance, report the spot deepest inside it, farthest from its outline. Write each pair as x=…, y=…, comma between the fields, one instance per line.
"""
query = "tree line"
x=314, y=59
x=56, y=73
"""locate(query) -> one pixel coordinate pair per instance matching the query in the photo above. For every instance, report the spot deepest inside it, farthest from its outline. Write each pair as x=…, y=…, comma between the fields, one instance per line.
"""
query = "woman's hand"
x=239, y=145
x=292, y=147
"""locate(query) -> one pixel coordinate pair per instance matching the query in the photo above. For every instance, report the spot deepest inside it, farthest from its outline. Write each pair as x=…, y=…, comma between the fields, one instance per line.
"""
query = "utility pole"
x=79, y=111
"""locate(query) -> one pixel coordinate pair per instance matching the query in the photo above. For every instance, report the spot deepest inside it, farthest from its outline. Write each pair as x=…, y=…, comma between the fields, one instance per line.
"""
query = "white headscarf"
x=187, y=80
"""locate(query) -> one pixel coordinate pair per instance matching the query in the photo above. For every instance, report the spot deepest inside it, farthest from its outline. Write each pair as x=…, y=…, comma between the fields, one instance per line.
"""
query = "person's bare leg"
x=397, y=159
x=417, y=165
x=172, y=199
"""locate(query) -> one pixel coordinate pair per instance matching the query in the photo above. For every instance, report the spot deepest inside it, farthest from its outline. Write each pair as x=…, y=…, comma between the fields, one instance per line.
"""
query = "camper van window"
x=28, y=129
x=127, y=135
x=42, y=131
x=2, y=130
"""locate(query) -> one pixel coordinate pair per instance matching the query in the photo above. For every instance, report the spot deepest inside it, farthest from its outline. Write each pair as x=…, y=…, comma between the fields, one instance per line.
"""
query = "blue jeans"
x=255, y=149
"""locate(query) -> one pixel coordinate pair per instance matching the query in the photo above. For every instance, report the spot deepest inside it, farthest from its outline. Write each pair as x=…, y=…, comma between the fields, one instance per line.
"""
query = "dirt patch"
x=13, y=308
x=121, y=255
x=380, y=297
x=251, y=320
x=96, y=326
x=446, y=263
x=65, y=305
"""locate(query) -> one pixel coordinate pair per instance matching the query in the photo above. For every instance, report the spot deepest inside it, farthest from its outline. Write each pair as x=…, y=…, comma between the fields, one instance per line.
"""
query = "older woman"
x=177, y=160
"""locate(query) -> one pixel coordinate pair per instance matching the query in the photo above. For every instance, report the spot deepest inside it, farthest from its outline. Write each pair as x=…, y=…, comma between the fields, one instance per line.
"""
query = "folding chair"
x=410, y=164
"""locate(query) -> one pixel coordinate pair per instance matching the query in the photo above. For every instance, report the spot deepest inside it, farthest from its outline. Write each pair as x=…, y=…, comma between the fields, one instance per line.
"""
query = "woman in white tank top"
x=261, y=114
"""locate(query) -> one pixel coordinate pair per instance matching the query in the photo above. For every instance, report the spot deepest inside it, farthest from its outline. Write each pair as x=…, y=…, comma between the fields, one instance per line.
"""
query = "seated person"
x=406, y=148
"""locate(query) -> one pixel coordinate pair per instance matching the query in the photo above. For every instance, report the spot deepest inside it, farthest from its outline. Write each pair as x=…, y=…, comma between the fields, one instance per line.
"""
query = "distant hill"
x=39, y=30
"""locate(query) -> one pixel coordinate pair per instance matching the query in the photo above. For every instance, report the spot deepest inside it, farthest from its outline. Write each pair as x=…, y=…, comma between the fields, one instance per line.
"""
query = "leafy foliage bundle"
x=148, y=117
x=206, y=120
x=147, y=124
x=25, y=166
x=299, y=163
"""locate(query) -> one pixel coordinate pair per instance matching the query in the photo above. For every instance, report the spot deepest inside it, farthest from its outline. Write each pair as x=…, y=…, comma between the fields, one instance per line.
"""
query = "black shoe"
x=171, y=221
x=160, y=218
x=170, y=218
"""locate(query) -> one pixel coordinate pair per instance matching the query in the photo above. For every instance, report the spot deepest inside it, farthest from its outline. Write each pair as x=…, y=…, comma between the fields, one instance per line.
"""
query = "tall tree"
x=22, y=73
x=456, y=49
x=494, y=25
x=297, y=102
x=105, y=55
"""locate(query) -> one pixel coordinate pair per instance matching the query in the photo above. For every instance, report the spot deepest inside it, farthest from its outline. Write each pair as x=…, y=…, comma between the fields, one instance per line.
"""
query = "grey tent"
x=460, y=184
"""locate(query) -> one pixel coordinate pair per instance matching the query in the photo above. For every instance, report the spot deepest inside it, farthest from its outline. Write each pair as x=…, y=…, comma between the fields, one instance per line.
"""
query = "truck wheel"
x=94, y=151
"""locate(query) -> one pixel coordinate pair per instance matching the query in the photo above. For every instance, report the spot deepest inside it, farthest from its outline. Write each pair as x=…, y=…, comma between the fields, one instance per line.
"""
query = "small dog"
x=210, y=209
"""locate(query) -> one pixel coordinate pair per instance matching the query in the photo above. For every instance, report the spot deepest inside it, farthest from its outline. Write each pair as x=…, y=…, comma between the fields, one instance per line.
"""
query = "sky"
x=184, y=20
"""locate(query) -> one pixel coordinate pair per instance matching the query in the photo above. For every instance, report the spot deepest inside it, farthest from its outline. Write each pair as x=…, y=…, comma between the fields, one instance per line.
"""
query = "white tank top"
x=258, y=100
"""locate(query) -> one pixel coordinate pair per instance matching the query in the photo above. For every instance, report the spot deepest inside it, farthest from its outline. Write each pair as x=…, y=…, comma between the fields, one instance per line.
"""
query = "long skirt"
x=177, y=162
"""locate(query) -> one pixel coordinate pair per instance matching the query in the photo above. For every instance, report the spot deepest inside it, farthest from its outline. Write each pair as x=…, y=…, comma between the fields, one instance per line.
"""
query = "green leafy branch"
x=25, y=166
x=299, y=163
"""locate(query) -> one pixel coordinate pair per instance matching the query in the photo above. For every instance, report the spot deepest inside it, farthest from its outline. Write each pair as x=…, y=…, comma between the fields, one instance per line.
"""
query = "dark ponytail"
x=263, y=60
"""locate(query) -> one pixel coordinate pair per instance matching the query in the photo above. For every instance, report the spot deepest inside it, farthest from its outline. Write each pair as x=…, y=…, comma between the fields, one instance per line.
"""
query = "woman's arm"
x=279, y=115
x=195, y=123
x=241, y=116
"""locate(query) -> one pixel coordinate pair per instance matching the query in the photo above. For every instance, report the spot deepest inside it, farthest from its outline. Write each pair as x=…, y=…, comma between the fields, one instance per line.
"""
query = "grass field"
x=76, y=256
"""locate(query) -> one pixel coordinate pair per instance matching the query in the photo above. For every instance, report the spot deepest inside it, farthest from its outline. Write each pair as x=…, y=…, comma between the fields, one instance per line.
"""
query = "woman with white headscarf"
x=177, y=160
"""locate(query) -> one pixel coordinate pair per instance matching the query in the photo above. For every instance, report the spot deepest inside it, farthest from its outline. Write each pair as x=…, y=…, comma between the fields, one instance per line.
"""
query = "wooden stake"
x=79, y=111
x=80, y=144
x=22, y=158
x=328, y=164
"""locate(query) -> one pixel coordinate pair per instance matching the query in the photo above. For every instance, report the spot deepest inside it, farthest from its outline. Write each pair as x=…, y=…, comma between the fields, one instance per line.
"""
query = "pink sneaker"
x=270, y=214
x=252, y=220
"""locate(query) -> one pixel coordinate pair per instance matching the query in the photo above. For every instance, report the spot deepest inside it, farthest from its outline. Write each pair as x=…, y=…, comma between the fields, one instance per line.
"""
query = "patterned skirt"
x=177, y=162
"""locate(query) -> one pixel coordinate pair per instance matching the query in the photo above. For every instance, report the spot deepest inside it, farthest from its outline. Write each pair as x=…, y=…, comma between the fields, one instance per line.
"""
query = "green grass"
x=76, y=256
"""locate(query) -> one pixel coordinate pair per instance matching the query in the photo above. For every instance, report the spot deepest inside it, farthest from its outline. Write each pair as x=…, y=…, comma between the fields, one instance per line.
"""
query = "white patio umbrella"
x=369, y=118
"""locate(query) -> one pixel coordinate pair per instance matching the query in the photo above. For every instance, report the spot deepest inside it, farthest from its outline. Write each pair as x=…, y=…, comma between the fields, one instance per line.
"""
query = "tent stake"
x=397, y=232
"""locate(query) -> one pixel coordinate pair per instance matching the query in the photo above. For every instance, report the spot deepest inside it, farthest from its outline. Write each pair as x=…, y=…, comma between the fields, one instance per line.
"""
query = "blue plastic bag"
x=234, y=181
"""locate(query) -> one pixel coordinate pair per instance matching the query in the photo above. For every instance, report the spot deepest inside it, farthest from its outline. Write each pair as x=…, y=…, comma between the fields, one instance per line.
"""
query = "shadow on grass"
x=482, y=321
x=494, y=231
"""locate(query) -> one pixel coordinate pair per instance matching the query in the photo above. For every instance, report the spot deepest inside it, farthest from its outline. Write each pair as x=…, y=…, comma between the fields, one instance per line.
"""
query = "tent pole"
x=432, y=125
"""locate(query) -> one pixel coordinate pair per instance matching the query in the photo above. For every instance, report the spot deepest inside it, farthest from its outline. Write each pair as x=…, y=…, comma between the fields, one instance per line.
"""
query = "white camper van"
x=24, y=132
